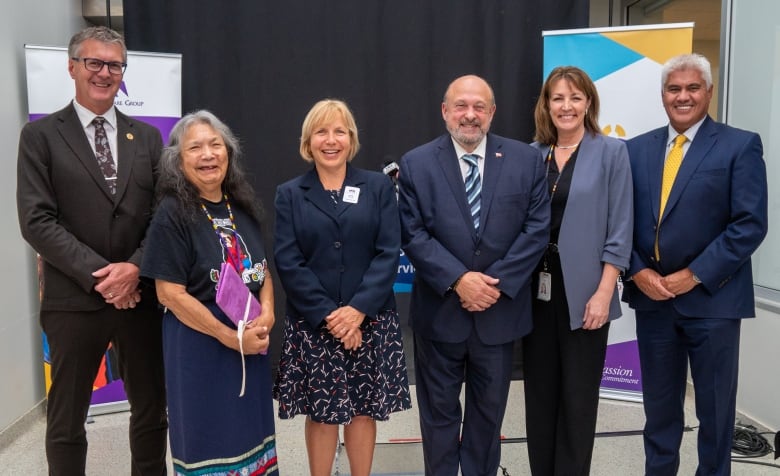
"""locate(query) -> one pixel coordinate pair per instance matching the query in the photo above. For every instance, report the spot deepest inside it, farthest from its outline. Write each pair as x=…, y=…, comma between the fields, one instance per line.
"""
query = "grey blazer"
x=598, y=221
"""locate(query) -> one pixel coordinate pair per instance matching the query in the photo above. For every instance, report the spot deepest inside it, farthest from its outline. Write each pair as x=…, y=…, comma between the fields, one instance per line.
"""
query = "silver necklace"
x=566, y=146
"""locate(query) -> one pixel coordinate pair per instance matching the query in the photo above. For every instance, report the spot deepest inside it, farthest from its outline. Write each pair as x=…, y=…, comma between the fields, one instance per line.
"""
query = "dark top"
x=191, y=252
x=558, y=186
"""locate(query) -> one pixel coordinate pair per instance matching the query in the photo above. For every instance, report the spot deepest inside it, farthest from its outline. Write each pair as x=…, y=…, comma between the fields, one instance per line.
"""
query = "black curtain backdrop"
x=260, y=65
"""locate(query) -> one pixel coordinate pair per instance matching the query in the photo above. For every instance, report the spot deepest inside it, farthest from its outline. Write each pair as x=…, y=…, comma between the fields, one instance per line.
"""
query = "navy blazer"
x=438, y=236
x=329, y=256
x=597, y=223
x=714, y=220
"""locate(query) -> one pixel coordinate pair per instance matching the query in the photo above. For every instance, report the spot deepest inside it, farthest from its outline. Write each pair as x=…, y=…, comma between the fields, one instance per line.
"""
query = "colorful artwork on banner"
x=625, y=63
x=151, y=92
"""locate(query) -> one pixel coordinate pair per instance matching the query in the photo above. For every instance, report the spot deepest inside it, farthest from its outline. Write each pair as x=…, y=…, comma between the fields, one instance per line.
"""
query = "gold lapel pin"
x=129, y=136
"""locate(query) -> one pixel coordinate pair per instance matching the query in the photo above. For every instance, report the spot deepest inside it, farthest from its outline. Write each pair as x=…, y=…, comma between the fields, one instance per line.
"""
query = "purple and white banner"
x=150, y=92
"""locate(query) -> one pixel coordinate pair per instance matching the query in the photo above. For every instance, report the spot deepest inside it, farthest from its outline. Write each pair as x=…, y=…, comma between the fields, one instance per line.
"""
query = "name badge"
x=545, y=285
x=351, y=194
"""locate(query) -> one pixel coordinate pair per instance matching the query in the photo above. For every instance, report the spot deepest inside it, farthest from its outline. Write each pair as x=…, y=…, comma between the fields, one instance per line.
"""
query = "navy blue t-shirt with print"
x=190, y=253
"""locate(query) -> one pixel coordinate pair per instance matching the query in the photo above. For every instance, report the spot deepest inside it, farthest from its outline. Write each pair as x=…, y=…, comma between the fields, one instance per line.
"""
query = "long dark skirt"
x=213, y=431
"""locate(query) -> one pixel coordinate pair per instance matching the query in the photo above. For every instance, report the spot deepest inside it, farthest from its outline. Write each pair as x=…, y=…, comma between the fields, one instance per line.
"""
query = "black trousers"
x=562, y=371
x=77, y=342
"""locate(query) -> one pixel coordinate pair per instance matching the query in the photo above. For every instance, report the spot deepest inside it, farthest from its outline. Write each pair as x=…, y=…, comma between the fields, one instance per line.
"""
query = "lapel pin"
x=129, y=136
x=499, y=155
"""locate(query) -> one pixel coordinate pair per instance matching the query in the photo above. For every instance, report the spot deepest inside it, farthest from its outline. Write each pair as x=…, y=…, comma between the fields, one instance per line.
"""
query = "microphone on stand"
x=391, y=169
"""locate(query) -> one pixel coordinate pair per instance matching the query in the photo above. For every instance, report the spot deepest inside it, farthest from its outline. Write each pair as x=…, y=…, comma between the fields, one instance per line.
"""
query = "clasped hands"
x=118, y=284
x=661, y=288
x=255, y=339
x=477, y=291
x=344, y=325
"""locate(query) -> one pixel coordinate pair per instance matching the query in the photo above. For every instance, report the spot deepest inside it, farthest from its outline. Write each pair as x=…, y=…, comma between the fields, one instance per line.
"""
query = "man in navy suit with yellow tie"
x=475, y=220
x=700, y=201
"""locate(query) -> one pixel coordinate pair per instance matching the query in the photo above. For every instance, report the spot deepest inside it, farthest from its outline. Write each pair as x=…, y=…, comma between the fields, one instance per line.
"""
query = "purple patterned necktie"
x=103, y=154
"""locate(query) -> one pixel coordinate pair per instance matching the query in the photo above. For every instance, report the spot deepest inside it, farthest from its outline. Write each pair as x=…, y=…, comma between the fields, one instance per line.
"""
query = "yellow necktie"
x=671, y=167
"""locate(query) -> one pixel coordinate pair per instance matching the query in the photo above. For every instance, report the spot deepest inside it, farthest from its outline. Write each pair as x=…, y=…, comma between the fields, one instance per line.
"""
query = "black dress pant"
x=77, y=342
x=562, y=371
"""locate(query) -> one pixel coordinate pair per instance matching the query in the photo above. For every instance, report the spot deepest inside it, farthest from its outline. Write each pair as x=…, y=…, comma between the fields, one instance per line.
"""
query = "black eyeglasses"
x=95, y=65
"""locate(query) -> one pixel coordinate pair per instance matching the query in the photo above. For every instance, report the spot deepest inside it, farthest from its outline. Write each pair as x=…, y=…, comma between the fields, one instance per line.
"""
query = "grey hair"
x=100, y=33
x=172, y=181
x=684, y=62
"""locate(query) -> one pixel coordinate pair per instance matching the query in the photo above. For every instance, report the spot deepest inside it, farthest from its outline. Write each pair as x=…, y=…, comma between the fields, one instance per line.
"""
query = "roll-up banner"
x=151, y=92
x=625, y=64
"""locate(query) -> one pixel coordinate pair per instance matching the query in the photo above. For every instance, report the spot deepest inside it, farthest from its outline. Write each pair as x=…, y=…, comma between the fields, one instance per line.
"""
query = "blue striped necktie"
x=473, y=188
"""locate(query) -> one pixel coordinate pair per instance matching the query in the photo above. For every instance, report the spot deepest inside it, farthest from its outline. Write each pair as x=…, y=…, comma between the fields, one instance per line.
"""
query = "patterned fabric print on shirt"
x=235, y=252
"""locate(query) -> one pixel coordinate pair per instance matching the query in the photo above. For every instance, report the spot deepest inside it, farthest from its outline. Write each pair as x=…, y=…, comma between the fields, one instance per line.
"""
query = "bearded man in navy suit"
x=699, y=214
x=473, y=254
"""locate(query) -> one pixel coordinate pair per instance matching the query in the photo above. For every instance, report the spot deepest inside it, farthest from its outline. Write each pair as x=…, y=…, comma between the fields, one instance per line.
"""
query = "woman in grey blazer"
x=590, y=187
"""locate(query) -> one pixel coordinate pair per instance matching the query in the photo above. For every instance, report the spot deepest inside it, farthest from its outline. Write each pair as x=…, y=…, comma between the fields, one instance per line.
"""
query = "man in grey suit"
x=85, y=189
x=475, y=220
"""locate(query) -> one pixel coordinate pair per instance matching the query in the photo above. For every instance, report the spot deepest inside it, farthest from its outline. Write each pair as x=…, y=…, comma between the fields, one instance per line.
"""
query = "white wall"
x=759, y=381
x=42, y=22
x=753, y=103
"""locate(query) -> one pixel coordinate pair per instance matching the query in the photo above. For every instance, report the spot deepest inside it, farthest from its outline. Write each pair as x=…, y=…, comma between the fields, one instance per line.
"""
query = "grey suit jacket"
x=66, y=212
x=597, y=223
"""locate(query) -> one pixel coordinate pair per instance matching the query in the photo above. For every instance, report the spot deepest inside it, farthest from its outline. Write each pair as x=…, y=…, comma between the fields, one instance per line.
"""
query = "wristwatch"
x=696, y=279
x=452, y=287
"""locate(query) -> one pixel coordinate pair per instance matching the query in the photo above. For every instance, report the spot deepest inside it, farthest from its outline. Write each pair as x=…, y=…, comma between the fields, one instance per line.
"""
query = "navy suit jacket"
x=329, y=256
x=438, y=236
x=714, y=220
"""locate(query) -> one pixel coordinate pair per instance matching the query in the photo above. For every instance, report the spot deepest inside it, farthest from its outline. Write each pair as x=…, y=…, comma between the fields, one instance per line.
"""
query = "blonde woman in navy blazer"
x=589, y=180
x=337, y=243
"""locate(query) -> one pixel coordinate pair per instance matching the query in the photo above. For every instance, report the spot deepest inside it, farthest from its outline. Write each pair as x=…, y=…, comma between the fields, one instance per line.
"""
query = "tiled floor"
x=614, y=454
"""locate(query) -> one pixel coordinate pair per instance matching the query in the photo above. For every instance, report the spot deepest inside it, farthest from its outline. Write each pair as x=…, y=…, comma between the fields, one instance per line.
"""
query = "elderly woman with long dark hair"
x=208, y=215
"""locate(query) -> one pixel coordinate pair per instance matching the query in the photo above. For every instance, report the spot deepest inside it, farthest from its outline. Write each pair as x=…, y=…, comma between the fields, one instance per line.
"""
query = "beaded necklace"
x=231, y=251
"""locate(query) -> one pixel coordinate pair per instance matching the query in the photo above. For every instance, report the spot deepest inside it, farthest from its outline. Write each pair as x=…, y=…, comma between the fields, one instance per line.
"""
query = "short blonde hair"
x=325, y=112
